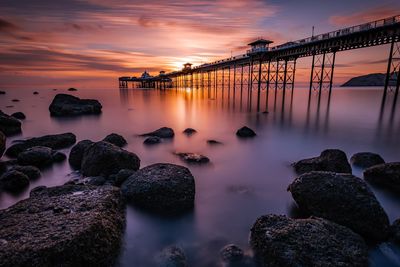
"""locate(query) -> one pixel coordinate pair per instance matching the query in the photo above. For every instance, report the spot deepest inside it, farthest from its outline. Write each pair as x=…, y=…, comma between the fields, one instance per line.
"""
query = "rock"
x=395, y=232
x=31, y=171
x=19, y=115
x=13, y=181
x=163, y=132
x=121, y=176
x=172, y=256
x=330, y=160
x=152, y=140
x=193, y=158
x=76, y=154
x=189, y=131
x=341, y=198
x=2, y=92
x=9, y=125
x=2, y=143
x=245, y=132
x=15, y=100
x=63, y=226
x=385, y=175
x=56, y=141
x=164, y=188
x=231, y=254
x=281, y=241
x=115, y=139
x=68, y=105
x=72, y=89
x=39, y=156
x=36, y=93
x=366, y=159
x=373, y=79
x=103, y=159
x=3, y=167
x=95, y=181
x=213, y=142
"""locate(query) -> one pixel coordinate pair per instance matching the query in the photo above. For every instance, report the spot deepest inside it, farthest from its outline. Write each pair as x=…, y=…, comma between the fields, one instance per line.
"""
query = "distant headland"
x=373, y=79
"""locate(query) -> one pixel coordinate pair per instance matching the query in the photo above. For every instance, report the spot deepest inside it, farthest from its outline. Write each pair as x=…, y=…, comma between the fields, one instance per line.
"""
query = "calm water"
x=246, y=179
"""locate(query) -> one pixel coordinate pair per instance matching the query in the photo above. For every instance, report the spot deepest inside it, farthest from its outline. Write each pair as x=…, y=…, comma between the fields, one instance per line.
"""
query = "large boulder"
x=68, y=105
x=245, y=132
x=103, y=159
x=282, y=241
x=76, y=154
x=341, y=198
x=19, y=115
x=31, y=172
x=13, y=181
x=330, y=160
x=366, y=159
x=9, y=125
x=164, y=188
x=115, y=139
x=2, y=144
x=63, y=226
x=55, y=141
x=163, y=132
x=385, y=175
x=39, y=156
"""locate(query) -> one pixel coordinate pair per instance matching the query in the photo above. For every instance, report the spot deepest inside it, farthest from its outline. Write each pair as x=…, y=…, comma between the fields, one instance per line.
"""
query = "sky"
x=90, y=43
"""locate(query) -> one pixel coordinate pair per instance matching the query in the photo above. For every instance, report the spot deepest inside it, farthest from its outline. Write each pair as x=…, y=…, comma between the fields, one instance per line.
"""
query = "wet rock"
x=172, y=256
x=341, y=198
x=36, y=93
x=31, y=171
x=9, y=125
x=193, y=158
x=231, y=254
x=76, y=154
x=395, y=231
x=164, y=188
x=68, y=105
x=103, y=159
x=385, y=175
x=2, y=92
x=115, y=139
x=189, y=131
x=19, y=115
x=95, y=181
x=163, y=132
x=330, y=160
x=2, y=143
x=245, y=132
x=56, y=141
x=63, y=226
x=152, y=140
x=39, y=156
x=15, y=100
x=72, y=89
x=213, y=142
x=13, y=181
x=281, y=241
x=366, y=159
x=121, y=176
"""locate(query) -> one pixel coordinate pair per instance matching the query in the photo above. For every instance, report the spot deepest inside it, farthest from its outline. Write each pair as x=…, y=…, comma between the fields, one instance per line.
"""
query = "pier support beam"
x=392, y=81
x=322, y=72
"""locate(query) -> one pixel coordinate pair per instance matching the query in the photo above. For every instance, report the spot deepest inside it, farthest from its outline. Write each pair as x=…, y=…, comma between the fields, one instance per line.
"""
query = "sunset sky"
x=90, y=43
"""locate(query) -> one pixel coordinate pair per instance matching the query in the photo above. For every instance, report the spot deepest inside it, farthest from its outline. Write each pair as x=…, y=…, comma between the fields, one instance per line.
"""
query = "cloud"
x=7, y=26
x=366, y=15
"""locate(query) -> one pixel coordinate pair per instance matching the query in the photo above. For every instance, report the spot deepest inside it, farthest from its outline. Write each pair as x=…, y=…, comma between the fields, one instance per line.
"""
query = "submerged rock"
x=152, y=140
x=281, y=241
x=63, y=226
x=9, y=125
x=2, y=92
x=193, y=158
x=13, y=181
x=31, y=171
x=366, y=159
x=76, y=154
x=40, y=156
x=172, y=256
x=231, y=254
x=245, y=132
x=103, y=159
x=36, y=93
x=68, y=105
x=395, y=231
x=163, y=132
x=72, y=89
x=164, y=188
x=385, y=175
x=330, y=160
x=213, y=142
x=19, y=115
x=55, y=141
x=189, y=131
x=341, y=198
x=2, y=143
x=115, y=139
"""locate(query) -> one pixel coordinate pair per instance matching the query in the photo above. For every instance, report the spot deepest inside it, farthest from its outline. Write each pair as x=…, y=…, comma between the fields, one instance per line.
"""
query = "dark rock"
x=231, y=254
x=31, y=171
x=121, y=176
x=68, y=105
x=19, y=115
x=103, y=159
x=35, y=93
x=3, y=167
x=385, y=175
x=95, y=181
x=152, y=140
x=13, y=181
x=63, y=226
x=193, y=158
x=245, y=132
x=2, y=143
x=56, y=141
x=373, y=79
x=115, y=139
x=72, y=89
x=213, y=142
x=15, y=100
x=341, y=198
x=164, y=188
x=2, y=92
x=189, y=131
x=284, y=242
x=39, y=156
x=366, y=159
x=172, y=256
x=76, y=154
x=395, y=232
x=330, y=160
x=163, y=132
x=9, y=125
